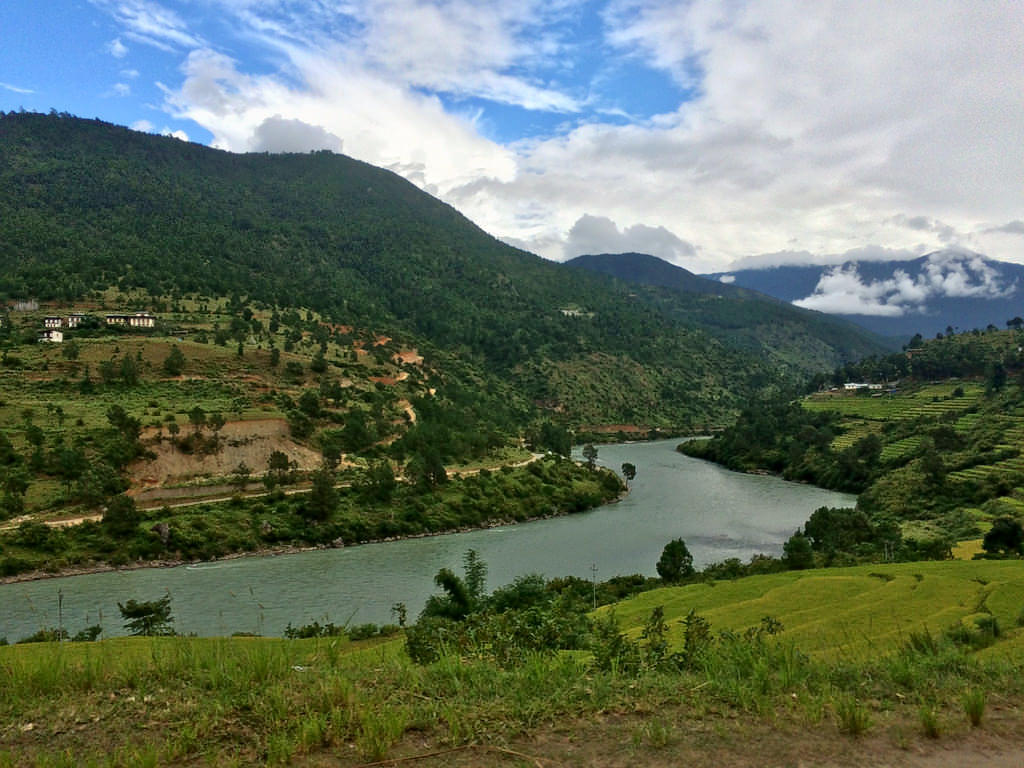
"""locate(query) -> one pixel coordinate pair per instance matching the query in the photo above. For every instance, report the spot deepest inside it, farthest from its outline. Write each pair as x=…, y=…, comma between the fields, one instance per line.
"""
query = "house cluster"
x=54, y=325
x=138, y=320
x=855, y=385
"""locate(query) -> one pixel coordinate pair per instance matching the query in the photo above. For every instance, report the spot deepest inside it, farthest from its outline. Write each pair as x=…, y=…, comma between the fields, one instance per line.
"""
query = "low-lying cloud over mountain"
x=843, y=290
x=952, y=287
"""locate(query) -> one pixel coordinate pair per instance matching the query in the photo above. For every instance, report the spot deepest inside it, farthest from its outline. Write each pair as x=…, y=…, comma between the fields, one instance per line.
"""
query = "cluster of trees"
x=376, y=506
x=780, y=436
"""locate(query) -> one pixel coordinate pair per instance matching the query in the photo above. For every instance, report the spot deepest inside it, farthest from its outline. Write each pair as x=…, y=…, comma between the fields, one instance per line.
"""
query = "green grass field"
x=850, y=613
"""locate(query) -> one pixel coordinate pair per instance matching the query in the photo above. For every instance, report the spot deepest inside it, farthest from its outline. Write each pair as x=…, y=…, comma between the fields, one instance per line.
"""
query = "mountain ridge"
x=943, y=289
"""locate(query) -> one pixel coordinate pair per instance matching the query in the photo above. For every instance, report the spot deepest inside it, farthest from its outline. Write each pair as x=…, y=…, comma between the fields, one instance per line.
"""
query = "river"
x=720, y=514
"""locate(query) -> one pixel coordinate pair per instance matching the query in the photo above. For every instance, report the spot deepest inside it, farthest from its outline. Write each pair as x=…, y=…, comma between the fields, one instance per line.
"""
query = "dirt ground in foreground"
x=617, y=741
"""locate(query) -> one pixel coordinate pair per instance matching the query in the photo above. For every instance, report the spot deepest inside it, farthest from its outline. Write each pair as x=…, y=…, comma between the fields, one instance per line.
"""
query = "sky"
x=716, y=135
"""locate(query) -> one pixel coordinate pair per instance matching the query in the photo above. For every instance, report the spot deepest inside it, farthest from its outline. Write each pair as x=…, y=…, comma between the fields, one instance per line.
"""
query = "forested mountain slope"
x=85, y=205
x=787, y=335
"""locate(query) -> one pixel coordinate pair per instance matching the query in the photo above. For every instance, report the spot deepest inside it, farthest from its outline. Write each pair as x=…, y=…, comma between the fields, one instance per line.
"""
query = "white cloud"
x=790, y=258
x=176, y=134
x=951, y=273
x=148, y=22
x=275, y=134
x=598, y=234
x=815, y=128
x=841, y=291
x=378, y=121
x=130, y=74
x=121, y=89
x=727, y=279
x=15, y=89
x=143, y=125
x=117, y=49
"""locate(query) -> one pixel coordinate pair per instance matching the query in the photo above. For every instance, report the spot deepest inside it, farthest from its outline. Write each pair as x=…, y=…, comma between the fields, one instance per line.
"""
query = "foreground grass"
x=252, y=701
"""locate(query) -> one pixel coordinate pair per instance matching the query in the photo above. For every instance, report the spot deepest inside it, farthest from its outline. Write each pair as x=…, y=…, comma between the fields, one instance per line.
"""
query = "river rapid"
x=720, y=514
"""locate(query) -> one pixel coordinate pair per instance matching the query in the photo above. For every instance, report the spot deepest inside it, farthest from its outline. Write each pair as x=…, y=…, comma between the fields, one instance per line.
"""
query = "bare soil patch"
x=250, y=442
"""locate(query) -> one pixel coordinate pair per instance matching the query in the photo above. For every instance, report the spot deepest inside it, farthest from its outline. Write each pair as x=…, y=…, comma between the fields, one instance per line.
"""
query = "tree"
x=323, y=499
x=797, y=553
x=676, y=562
x=427, y=468
x=1016, y=323
x=590, y=454
x=121, y=517
x=476, y=575
x=129, y=426
x=379, y=481
x=129, y=371
x=278, y=470
x=275, y=357
x=197, y=417
x=995, y=377
x=240, y=476
x=1004, y=537
x=216, y=422
x=628, y=471
x=148, y=618
x=174, y=364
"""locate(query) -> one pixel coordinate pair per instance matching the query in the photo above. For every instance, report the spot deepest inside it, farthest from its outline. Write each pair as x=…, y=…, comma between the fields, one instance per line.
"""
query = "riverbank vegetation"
x=373, y=507
x=933, y=461
x=698, y=669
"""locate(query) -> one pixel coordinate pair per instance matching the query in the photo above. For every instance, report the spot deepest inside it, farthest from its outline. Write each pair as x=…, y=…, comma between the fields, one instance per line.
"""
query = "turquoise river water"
x=718, y=513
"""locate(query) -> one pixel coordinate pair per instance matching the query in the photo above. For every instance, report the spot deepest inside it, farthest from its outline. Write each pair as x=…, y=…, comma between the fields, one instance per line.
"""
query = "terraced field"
x=931, y=399
x=1013, y=440
x=851, y=614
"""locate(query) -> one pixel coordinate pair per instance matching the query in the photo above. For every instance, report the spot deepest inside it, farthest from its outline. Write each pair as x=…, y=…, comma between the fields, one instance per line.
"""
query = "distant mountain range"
x=945, y=289
x=771, y=328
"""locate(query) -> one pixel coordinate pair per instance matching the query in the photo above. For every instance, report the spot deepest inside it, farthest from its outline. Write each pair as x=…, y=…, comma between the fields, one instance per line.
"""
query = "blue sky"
x=708, y=133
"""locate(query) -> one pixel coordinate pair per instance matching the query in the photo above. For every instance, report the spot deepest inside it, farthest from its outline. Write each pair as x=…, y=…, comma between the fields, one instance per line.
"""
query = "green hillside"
x=792, y=338
x=936, y=447
x=85, y=205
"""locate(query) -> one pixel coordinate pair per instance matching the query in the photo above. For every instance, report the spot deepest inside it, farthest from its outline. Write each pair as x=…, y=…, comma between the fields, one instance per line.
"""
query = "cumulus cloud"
x=121, y=89
x=727, y=279
x=143, y=125
x=276, y=134
x=378, y=121
x=178, y=134
x=808, y=128
x=842, y=290
x=598, y=234
x=117, y=49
